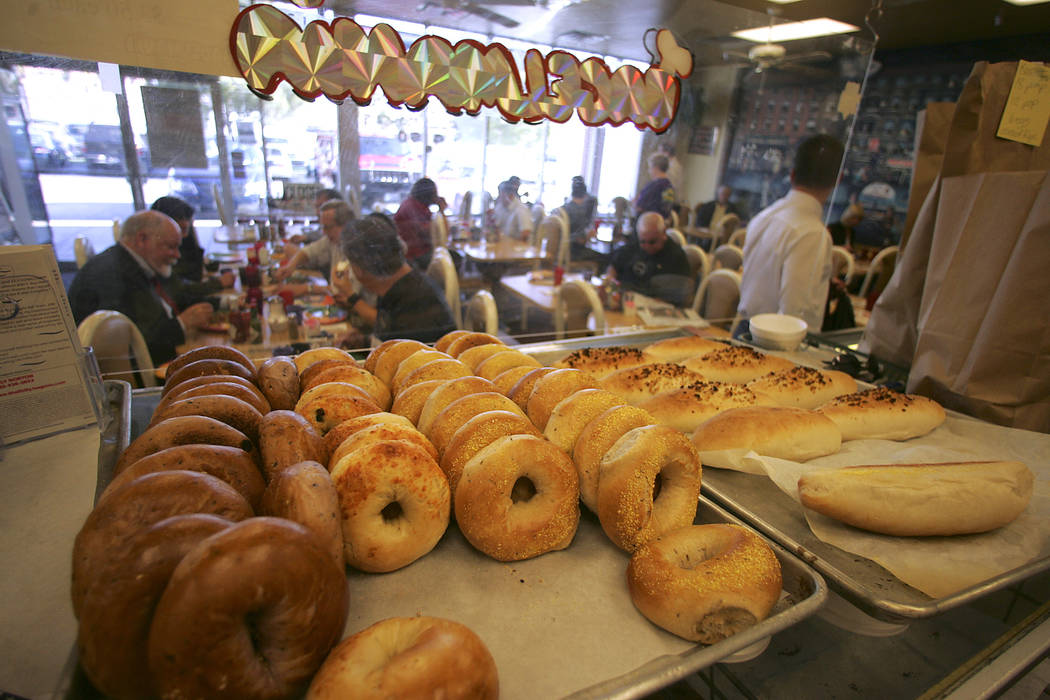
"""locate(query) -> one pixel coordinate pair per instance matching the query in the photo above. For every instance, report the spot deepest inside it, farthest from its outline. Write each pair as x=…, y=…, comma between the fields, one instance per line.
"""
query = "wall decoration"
x=341, y=60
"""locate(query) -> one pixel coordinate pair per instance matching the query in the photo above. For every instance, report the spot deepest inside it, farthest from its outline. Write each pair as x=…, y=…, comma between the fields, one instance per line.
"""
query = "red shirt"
x=413, y=226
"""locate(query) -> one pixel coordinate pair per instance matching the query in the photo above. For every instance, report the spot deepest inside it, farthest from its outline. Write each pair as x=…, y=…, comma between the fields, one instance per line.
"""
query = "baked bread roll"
x=522, y=389
x=460, y=411
x=472, y=357
x=448, y=392
x=505, y=381
x=600, y=434
x=774, y=431
x=383, y=361
x=678, y=349
x=471, y=340
x=636, y=384
x=551, y=388
x=446, y=340
x=736, y=364
x=409, y=403
x=436, y=369
x=685, y=409
x=413, y=362
x=497, y=364
x=950, y=498
x=478, y=433
x=573, y=413
x=804, y=387
x=882, y=413
x=602, y=361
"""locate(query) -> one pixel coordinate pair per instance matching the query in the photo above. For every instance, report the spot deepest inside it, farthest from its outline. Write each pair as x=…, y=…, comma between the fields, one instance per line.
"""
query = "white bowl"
x=777, y=331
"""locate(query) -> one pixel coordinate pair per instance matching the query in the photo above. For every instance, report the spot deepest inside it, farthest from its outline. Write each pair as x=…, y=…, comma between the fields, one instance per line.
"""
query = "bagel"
x=288, y=438
x=409, y=403
x=444, y=341
x=679, y=349
x=237, y=391
x=379, y=433
x=496, y=364
x=308, y=357
x=394, y=500
x=601, y=361
x=649, y=484
x=472, y=357
x=506, y=380
x=551, y=389
x=408, y=657
x=304, y=493
x=183, y=430
x=334, y=437
x=278, y=377
x=736, y=364
x=518, y=498
x=774, y=431
x=685, y=409
x=232, y=624
x=470, y=340
x=882, y=413
x=118, y=608
x=209, y=352
x=446, y=394
x=636, y=384
x=412, y=363
x=389, y=355
x=804, y=387
x=230, y=464
x=207, y=379
x=333, y=389
x=477, y=433
x=230, y=410
x=572, y=414
x=140, y=503
x=600, y=434
x=436, y=369
x=350, y=373
x=522, y=389
x=200, y=368
x=705, y=583
x=460, y=411
x=328, y=408
x=306, y=379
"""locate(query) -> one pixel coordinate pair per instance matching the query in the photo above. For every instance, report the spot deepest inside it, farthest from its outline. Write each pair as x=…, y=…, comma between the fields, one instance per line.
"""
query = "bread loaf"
x=681, y=348
x=883, y=413
x=950, y=498
x=685, y=409
x=804, y=387
x=736, y=364
x=774, y=431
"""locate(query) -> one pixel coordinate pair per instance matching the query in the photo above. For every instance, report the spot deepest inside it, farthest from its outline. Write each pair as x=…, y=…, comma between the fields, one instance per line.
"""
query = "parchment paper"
x=937, y=566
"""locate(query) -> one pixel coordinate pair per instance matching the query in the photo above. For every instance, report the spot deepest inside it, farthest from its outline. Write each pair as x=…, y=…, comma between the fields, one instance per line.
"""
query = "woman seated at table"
x=188, y=284
x=408, y=303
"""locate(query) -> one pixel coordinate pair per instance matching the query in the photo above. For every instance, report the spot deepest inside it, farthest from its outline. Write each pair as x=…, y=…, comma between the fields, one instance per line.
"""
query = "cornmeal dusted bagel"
x=470, y=340
x=414, y=362
x=804, y=387
x=476, y=434
x=472, y=357
x=444, y=341
x=574, y=412
x=736, y=364
x=552, y=388
x=379, y=433
x=436, y=369
x=460, y=411
x=884, y=414
x=409, y=403
x=384, y=360
x=773, y=431
x=505, y=381
x=350, y=373
x=631, y=509
x=636, y=384
x=304, y=359
x=685, y=409
x=602, y=361
x=408, y=657
x=394, y=502
x=446, y=394
x=522, y=389
x=682, y=348
x=518, y=498
x=600, y=434
x=334, y=437
x=493, y=366
x=705, y=582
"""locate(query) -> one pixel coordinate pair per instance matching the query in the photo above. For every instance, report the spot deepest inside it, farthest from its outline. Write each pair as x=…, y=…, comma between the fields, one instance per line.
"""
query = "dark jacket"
x=705, y=211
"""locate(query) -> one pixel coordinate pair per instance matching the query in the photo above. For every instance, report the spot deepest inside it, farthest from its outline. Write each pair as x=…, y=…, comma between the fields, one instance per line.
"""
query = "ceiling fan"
x=480, y=10
x=767, y=56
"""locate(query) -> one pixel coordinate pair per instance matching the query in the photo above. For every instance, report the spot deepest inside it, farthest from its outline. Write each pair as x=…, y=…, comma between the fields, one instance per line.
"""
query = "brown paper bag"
x=931, y=136
x=968, y=305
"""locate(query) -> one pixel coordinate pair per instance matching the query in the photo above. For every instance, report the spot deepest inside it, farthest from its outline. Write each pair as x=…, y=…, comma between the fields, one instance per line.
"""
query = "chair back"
x=549, y=238
x=675, y=235
x=676, y=223
x=620, y=209
x=725, y=227
x=727, y=257
x=82, y=250
x=563, y=242
x=574, y=302
x=875, y=269
x=842, y=264
x=119, y=347
x=443, y=271
x=224, y=215
x=718, y=297
x=439, y=230
x=699, y=263
x=481, y=313
x=116, y=230
x=738, y=237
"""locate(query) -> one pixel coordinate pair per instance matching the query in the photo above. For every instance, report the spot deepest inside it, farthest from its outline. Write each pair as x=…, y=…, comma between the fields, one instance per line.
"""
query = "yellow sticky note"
x=1028, y=106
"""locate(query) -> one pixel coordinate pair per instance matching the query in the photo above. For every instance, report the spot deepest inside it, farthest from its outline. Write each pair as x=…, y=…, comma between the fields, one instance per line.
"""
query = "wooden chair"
x=675, y=235
x=718, y=297
x=439, y=230
x=620, y=211
x=82, y=250
x=842, y=264
x=549, y=237
x=119, y=347
x=738, y=237
x=875, y=269
x=727, y=257
x=699, y=263
x=481, y=313
x=443, y=271
x=574, y=302
x=676, y=222
x=724, y=228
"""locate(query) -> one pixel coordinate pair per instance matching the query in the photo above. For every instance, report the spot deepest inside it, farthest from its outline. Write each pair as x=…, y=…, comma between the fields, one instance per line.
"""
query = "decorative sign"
x=340, y=60
x=703, y=141
x=1028, y=106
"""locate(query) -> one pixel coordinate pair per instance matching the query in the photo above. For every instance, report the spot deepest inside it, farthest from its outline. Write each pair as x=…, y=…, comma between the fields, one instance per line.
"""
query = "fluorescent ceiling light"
x=1026, y=2
x=796, y=30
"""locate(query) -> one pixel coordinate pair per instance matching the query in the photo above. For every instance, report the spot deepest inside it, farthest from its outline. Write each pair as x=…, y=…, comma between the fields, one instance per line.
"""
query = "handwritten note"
x=1028, y=106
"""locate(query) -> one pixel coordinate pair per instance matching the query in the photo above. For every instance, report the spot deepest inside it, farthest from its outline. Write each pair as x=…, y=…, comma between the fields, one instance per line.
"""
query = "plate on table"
x=328, y=315
x=226, y=256
x=216, y=328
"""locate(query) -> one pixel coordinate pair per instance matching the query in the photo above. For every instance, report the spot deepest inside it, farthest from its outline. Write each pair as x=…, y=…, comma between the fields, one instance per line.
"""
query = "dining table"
x=502, y=250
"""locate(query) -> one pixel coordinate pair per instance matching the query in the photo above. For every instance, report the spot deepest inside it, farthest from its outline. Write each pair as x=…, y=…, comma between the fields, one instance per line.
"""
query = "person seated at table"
x=128, y=277
x=652, y=263
x=842, y=230
x=187, y=282
x=659, y=194
x=413, y=221
x=710, y=213
x=581, y=208
x=324, y=255
x=408, y=303
x=510, y=216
